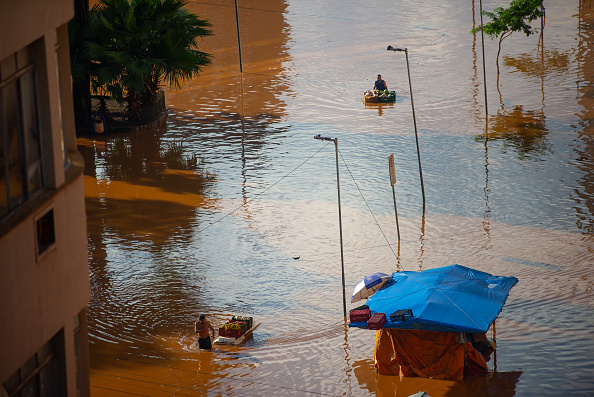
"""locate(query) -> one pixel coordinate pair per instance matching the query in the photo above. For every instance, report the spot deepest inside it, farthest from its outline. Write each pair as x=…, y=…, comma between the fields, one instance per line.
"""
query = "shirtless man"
x=202, y=326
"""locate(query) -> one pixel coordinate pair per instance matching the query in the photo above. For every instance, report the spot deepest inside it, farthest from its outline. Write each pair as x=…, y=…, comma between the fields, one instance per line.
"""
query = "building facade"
x=44, y=274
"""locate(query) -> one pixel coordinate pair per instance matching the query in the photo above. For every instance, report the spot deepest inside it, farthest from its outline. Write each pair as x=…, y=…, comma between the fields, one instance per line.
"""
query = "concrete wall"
x=23, y=22
x=40, y=295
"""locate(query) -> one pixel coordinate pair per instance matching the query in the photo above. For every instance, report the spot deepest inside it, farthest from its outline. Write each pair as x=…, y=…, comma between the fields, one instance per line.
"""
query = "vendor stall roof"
x=448, y=299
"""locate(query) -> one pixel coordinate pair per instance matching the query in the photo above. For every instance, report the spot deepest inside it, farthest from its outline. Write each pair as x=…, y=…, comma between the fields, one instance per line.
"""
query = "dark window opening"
x=45, y=231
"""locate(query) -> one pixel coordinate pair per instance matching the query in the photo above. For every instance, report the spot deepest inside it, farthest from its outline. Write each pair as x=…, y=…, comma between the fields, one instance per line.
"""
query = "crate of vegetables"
x=386, y=96
x=243, y=318
x=231, y=329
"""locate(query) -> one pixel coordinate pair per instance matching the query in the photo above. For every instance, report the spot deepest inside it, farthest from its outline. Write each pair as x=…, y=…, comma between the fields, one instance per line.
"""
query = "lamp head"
x=390, y=48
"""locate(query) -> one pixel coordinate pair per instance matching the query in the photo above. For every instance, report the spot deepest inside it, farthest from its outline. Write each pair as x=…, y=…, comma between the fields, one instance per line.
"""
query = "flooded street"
x=230, y=208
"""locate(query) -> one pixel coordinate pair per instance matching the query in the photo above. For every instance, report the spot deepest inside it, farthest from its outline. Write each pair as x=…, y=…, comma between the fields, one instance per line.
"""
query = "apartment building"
x=44, y=275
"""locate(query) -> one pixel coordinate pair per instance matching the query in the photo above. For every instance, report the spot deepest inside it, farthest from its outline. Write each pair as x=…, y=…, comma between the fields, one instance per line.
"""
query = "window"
x=21, y=174
x=77, y=349
x=45, y=231
x=40, y=375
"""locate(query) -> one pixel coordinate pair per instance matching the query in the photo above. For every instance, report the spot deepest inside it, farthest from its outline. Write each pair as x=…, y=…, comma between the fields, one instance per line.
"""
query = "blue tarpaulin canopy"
x=448, y=299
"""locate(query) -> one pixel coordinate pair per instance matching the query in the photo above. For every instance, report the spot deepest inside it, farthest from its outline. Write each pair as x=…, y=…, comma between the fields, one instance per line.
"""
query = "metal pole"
x=393, y=182
x=484, y=71
x=340, y=227
x=412, y=102
x=495, y=347
x=238, y=37
x=335, y=140
x=396, y=212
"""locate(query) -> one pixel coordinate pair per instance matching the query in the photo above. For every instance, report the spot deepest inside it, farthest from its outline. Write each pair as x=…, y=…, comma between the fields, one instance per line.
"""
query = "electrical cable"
x=368, y=207
x=261, y=193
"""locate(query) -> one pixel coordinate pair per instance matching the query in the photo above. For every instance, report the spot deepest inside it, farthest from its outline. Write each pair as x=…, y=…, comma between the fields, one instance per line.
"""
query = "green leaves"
x=515, y=18
x=131, y=47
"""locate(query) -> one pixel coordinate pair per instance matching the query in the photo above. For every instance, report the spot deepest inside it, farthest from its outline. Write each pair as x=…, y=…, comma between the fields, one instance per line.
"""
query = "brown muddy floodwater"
x=207, y=213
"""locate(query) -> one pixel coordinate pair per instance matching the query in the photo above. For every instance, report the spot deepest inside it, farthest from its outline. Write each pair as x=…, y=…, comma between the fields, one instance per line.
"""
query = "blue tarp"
x=448, y=299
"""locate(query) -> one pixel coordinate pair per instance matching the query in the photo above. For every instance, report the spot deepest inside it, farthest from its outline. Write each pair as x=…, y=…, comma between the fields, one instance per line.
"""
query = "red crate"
x=244, y=325
x=359, y=315
x=376, y=321
x=232, y=333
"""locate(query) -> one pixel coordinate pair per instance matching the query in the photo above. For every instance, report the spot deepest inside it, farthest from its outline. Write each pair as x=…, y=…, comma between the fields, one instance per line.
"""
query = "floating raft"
x=229, y=340
x=379, y=96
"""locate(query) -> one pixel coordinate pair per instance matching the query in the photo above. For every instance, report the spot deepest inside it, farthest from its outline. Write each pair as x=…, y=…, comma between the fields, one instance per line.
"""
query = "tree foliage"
x=515, y=18
x=131, y=47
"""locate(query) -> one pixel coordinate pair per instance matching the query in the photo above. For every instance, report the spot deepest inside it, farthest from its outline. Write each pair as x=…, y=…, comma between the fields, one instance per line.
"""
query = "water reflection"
x=379, y=106
x=496, y=384
x=524, y=131
x=584, y=156
x=540, y=64
x=138, y=175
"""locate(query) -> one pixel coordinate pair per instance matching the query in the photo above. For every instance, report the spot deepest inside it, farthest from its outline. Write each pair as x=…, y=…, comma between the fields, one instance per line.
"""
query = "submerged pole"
x=393, y=182
x=238, y=37
x=335, y=140
x=484, y=70
x=412, y=103
x=494, y=347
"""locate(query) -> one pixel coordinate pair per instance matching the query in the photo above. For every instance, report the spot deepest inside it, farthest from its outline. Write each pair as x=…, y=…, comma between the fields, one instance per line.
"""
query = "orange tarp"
x=428, y=354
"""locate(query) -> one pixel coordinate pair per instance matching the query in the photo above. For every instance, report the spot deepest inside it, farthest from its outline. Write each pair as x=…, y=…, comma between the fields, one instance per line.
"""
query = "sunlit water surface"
x=208, y=213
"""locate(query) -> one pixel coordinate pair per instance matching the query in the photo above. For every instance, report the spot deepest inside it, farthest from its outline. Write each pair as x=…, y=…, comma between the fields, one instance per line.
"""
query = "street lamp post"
x=238, y=39
x=412, y=102
x=335, y=140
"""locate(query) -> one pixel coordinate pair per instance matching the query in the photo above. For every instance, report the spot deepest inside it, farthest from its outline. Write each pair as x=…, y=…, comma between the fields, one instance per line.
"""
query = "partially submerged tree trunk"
x=503, y=36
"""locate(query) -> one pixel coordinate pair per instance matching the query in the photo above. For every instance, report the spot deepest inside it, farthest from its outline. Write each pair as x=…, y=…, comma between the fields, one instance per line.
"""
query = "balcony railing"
x=117, y=118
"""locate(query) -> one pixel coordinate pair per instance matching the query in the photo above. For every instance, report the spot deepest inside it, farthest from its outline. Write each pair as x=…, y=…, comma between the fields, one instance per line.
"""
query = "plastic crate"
x=376, y=321
x=250, y=320
x=390, y=97
x=359, y=315
x=401, y=315
x=244, y=325
x=232, y=333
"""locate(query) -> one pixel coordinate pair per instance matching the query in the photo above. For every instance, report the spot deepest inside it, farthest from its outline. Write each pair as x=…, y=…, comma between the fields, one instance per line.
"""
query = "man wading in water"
x=202, y=327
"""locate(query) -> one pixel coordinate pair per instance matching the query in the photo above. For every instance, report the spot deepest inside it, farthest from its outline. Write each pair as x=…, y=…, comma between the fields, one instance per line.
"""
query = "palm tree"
x=138, y=45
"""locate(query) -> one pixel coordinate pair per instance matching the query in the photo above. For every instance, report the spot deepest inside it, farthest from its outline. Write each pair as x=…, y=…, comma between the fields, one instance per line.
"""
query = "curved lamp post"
x=335, y=140
x=412, y=102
